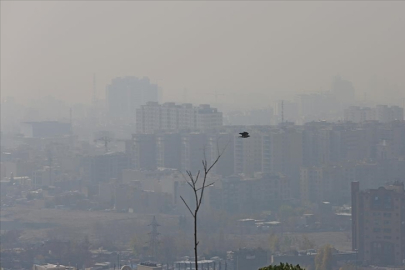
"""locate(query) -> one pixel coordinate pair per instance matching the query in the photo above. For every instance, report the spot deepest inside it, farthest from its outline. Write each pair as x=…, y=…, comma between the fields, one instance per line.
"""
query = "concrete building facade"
x=169, y=116
x=378, y=224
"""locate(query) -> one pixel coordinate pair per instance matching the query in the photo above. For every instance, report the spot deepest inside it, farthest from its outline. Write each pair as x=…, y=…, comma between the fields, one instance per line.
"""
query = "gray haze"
x=269, y=48
x=290, y=114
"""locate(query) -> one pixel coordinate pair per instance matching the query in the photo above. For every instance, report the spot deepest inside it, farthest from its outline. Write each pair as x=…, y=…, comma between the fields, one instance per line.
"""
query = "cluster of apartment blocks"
x=170, y=116
x=319, y=158
x=381, y=113
x=314, y=162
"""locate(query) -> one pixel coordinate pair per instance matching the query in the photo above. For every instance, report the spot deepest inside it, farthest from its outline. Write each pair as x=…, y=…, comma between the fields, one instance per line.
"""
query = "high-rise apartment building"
x=385, y=114
x=343, y=90
x=143, y=151
x=221, y=143
x=168, y=150
x=193, y=151
x=381, y=113
x=154, y=117
x=378, y=224
x=358, y=114
x=126, y=94
x=248, y=154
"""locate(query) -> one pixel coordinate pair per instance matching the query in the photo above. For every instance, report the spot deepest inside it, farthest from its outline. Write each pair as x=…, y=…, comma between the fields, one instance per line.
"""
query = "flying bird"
x=244, y=134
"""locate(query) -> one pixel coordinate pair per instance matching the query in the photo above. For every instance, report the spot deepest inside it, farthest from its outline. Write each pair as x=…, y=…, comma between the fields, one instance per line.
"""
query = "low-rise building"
x=52, y=267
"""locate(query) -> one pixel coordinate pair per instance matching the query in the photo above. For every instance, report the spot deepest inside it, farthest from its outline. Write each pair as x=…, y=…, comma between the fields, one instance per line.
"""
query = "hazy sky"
x=54, y=47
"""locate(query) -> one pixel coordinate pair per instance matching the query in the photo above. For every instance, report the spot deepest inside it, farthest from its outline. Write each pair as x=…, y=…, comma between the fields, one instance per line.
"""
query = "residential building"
x=143, y=151
x=148, y=118
x=385, y=113
x=153, y=117
x=222, y=143
x=126, y=94
x=103, y=168
x=381, y=113
x=357, y=114
x=46, y=129
x=343, y=90
x=193, y=151
x=378, y=224
x=248, y=154
x=236, y=194
x=168, y=150
x=207, y=118
x=332, y=182
x=52, y=267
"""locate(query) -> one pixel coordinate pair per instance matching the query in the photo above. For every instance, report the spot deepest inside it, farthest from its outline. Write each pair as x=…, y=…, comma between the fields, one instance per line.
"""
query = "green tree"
x=323, y=260
x=282, y=266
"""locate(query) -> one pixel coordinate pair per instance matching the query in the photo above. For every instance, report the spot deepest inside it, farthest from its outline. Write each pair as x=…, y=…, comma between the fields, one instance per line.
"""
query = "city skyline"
x=359, y=41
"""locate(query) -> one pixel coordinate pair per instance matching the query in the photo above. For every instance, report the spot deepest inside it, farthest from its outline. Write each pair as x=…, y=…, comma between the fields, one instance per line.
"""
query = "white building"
x=153, y=117
x=52, y=267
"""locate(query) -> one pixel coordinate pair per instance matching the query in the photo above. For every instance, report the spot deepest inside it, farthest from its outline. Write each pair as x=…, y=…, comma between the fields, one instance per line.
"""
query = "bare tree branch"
x=190, y=184
x=199, y=194
x=206, y=186
x=187, y=206
x=198, y=175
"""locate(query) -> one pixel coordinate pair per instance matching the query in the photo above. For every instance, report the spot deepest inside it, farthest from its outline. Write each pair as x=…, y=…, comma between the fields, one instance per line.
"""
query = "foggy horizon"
x=250, y=51
x=202, y=135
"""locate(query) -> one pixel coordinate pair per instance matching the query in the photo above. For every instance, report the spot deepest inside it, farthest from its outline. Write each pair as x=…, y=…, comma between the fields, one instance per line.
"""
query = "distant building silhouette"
x=126, y=94
x=343, y=90
x=46, y=129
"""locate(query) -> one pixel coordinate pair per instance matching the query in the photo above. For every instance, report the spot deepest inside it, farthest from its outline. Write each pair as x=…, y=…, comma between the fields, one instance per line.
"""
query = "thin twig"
x=206, y=186
x=187, y=206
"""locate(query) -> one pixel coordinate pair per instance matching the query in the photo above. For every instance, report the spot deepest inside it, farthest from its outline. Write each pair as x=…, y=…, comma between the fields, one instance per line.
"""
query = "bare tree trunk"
x=198, y=196
x=195, y=242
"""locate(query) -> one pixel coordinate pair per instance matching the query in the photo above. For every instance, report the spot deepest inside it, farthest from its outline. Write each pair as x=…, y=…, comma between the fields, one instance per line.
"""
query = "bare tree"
x=198, y=195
